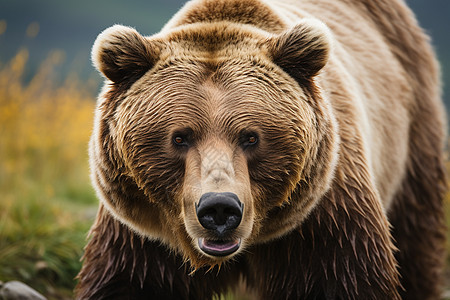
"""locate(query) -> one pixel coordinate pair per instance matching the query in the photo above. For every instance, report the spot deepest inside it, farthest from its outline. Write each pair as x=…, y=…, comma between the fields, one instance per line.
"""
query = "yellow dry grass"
x=41, y=124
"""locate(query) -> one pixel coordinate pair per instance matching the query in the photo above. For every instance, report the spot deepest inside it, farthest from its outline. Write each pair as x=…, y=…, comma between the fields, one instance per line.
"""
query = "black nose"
x=221, y=212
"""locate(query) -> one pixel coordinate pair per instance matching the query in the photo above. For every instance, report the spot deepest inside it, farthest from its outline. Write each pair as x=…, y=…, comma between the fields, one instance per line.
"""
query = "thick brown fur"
x=343, y=192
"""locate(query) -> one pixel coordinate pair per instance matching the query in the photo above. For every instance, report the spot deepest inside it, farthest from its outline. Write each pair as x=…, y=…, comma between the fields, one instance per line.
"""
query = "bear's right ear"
x=122, y=54
x=303, y=50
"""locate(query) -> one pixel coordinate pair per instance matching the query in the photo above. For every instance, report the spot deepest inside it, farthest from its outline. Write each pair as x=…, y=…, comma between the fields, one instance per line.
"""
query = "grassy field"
x=47, y=203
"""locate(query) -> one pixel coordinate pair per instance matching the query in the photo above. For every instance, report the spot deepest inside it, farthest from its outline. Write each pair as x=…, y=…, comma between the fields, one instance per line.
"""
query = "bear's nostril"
x=220, y=212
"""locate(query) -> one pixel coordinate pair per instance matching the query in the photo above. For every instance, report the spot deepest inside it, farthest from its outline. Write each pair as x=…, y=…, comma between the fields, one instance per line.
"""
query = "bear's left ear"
x=303, y=50
x=122, y=54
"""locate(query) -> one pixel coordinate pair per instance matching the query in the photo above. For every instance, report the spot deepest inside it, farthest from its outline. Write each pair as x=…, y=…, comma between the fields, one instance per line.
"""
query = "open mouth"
x=219, y=247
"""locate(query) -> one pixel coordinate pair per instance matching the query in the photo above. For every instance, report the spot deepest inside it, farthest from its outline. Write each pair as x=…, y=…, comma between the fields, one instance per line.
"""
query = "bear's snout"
x=220, y=212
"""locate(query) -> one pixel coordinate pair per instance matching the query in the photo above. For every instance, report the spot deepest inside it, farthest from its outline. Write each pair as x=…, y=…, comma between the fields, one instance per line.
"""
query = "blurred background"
x=47, y=96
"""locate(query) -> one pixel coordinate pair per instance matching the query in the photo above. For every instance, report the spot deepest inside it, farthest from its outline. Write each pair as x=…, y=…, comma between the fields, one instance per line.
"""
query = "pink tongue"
x=220, y=245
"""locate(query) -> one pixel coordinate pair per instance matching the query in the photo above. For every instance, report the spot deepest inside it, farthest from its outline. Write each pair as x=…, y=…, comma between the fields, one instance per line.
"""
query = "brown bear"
x=290, y=147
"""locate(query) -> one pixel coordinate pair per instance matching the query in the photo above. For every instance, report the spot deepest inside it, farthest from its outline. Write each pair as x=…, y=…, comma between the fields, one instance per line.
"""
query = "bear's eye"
x=252, y=140
x=249, y=139
x=183, y=138
x=180, y=141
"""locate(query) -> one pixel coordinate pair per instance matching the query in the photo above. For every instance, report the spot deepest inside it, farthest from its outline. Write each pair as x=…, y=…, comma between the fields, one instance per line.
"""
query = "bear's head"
x=212, y=137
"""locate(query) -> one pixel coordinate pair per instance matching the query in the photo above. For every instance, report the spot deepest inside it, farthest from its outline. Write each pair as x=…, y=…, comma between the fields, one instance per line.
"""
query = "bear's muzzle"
x=219, y=213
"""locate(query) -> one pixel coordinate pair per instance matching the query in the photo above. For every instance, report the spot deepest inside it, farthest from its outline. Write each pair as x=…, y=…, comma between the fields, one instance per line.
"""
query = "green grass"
x=41, y=239
x=44, y=221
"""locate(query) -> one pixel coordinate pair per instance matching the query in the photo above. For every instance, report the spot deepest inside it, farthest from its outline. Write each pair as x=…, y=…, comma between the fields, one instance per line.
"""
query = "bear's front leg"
x=342, y=251
x=118, y=264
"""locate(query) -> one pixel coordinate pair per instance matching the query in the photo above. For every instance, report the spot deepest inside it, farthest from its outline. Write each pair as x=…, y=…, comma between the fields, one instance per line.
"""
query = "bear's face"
x=206, y=135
